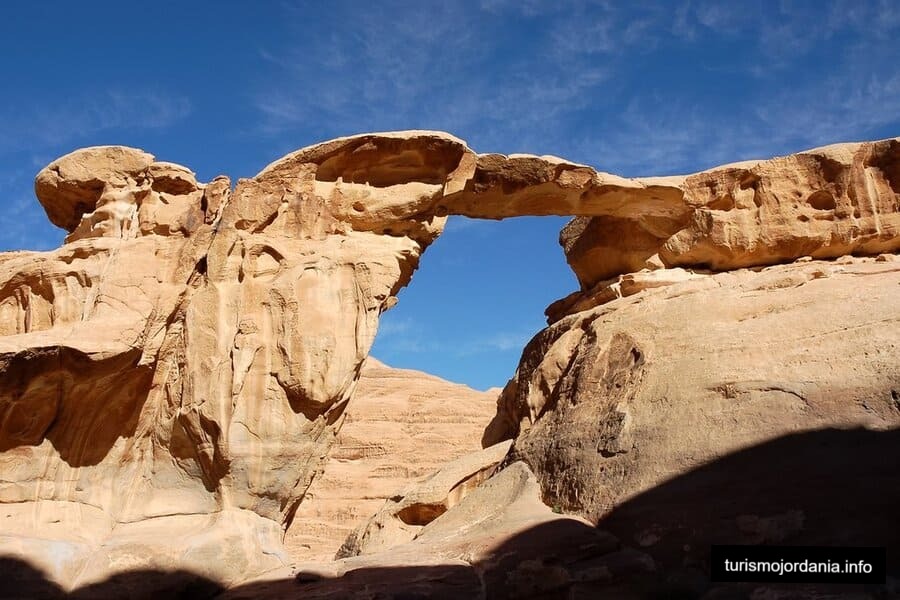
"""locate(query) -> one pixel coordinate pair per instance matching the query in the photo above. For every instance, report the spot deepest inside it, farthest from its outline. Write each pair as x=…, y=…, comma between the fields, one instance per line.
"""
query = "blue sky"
x=628, y=87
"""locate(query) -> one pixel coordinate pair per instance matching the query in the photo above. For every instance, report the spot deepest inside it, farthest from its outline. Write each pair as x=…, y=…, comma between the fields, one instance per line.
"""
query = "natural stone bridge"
x=187, y=354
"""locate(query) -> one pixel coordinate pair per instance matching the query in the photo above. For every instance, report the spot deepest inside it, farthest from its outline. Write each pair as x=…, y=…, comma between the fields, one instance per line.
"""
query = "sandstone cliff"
x=175, y=375
x=611, y=404
x=400, y=427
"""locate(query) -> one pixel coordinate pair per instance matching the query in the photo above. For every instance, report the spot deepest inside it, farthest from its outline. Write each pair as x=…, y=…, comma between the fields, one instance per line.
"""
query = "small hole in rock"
x=821, y=200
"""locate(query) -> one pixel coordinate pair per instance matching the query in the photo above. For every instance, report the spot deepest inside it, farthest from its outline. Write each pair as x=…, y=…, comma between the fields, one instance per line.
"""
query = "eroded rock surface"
x=173, y=377
x=403, y=516
x=400, y=427
x=825, y=203
x=500, y=541
x=190, y=350
x=736, y=407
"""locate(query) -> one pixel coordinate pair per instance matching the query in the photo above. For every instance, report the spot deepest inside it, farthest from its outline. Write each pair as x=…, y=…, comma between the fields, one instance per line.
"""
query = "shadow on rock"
x=21, y=581
x=830, y=487
x=827, y=488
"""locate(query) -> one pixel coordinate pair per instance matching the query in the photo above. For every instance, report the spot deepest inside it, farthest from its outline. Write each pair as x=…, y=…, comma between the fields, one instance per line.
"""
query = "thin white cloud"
x=436, y=68
x=390, y=327
x=501, y=341
x=405, y=335
x=786, y=31
x=840, y=109
x=456, y=68
x=22, y=221
x=53, y=122
x=528, y=8
x=656, y=134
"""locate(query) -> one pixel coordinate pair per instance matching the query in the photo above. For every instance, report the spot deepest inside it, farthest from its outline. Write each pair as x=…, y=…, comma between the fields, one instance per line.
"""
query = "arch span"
x=252, y=310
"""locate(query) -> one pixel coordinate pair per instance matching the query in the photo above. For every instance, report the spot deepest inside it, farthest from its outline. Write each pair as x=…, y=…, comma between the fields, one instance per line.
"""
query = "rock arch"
x=249, y=311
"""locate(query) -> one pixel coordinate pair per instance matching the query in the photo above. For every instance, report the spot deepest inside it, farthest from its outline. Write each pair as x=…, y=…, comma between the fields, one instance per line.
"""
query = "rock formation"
x=401, y=426
x=824, y=203
x=182, y=363
x=500, y=541
x=612, y=402
x=721, y=409
x=403, y=516
x=173, y=377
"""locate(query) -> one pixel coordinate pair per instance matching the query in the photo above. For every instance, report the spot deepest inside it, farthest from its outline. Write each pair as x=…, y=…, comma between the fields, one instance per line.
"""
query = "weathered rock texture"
x=403, y=516
x=401, y=426
x=190, y=350
x=610, y=405
x=824, y=203
x=173, y=377
x=670, y=378
x=753, y=406
x=500, y=541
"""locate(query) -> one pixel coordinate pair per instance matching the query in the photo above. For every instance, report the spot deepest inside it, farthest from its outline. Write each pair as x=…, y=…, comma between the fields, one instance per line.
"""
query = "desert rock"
x=403, y=516
x=736, y=407
x=500, y=541
x=190, y=350
x=400, y=427
x=173, y=378
x=825, y=203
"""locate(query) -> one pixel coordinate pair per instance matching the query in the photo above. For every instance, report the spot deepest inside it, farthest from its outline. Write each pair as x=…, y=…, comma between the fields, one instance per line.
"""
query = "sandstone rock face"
x=400, y=427
x=190, y=350
x=173, y=377
x=824, y=203
x=786, y=376
x=403, y=516
x=71, y=187
x=97, y=433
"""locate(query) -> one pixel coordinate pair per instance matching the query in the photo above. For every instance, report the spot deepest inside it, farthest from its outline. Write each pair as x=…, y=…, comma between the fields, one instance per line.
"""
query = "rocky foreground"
x=183, y=384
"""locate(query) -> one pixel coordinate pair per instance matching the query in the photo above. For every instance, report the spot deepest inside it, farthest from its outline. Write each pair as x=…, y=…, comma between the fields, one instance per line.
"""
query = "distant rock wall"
x=401, y=426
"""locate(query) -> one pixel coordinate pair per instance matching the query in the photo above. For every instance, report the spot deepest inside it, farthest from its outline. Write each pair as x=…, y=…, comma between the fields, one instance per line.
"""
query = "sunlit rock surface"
x=174, y=377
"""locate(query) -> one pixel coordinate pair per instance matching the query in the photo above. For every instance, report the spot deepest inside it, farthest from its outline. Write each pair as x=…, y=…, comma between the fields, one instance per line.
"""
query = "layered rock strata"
x=400, y=427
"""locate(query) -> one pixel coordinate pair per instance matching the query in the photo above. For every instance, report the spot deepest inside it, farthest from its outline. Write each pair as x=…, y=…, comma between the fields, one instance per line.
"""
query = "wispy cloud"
x=22, y=222
x=783, y=32
x=451, y=66
x=393, y=328
x=842, y=107
x=656, y=135
x=404, y=335
x=567, y=78
x=54, y=122
x=501, y=341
